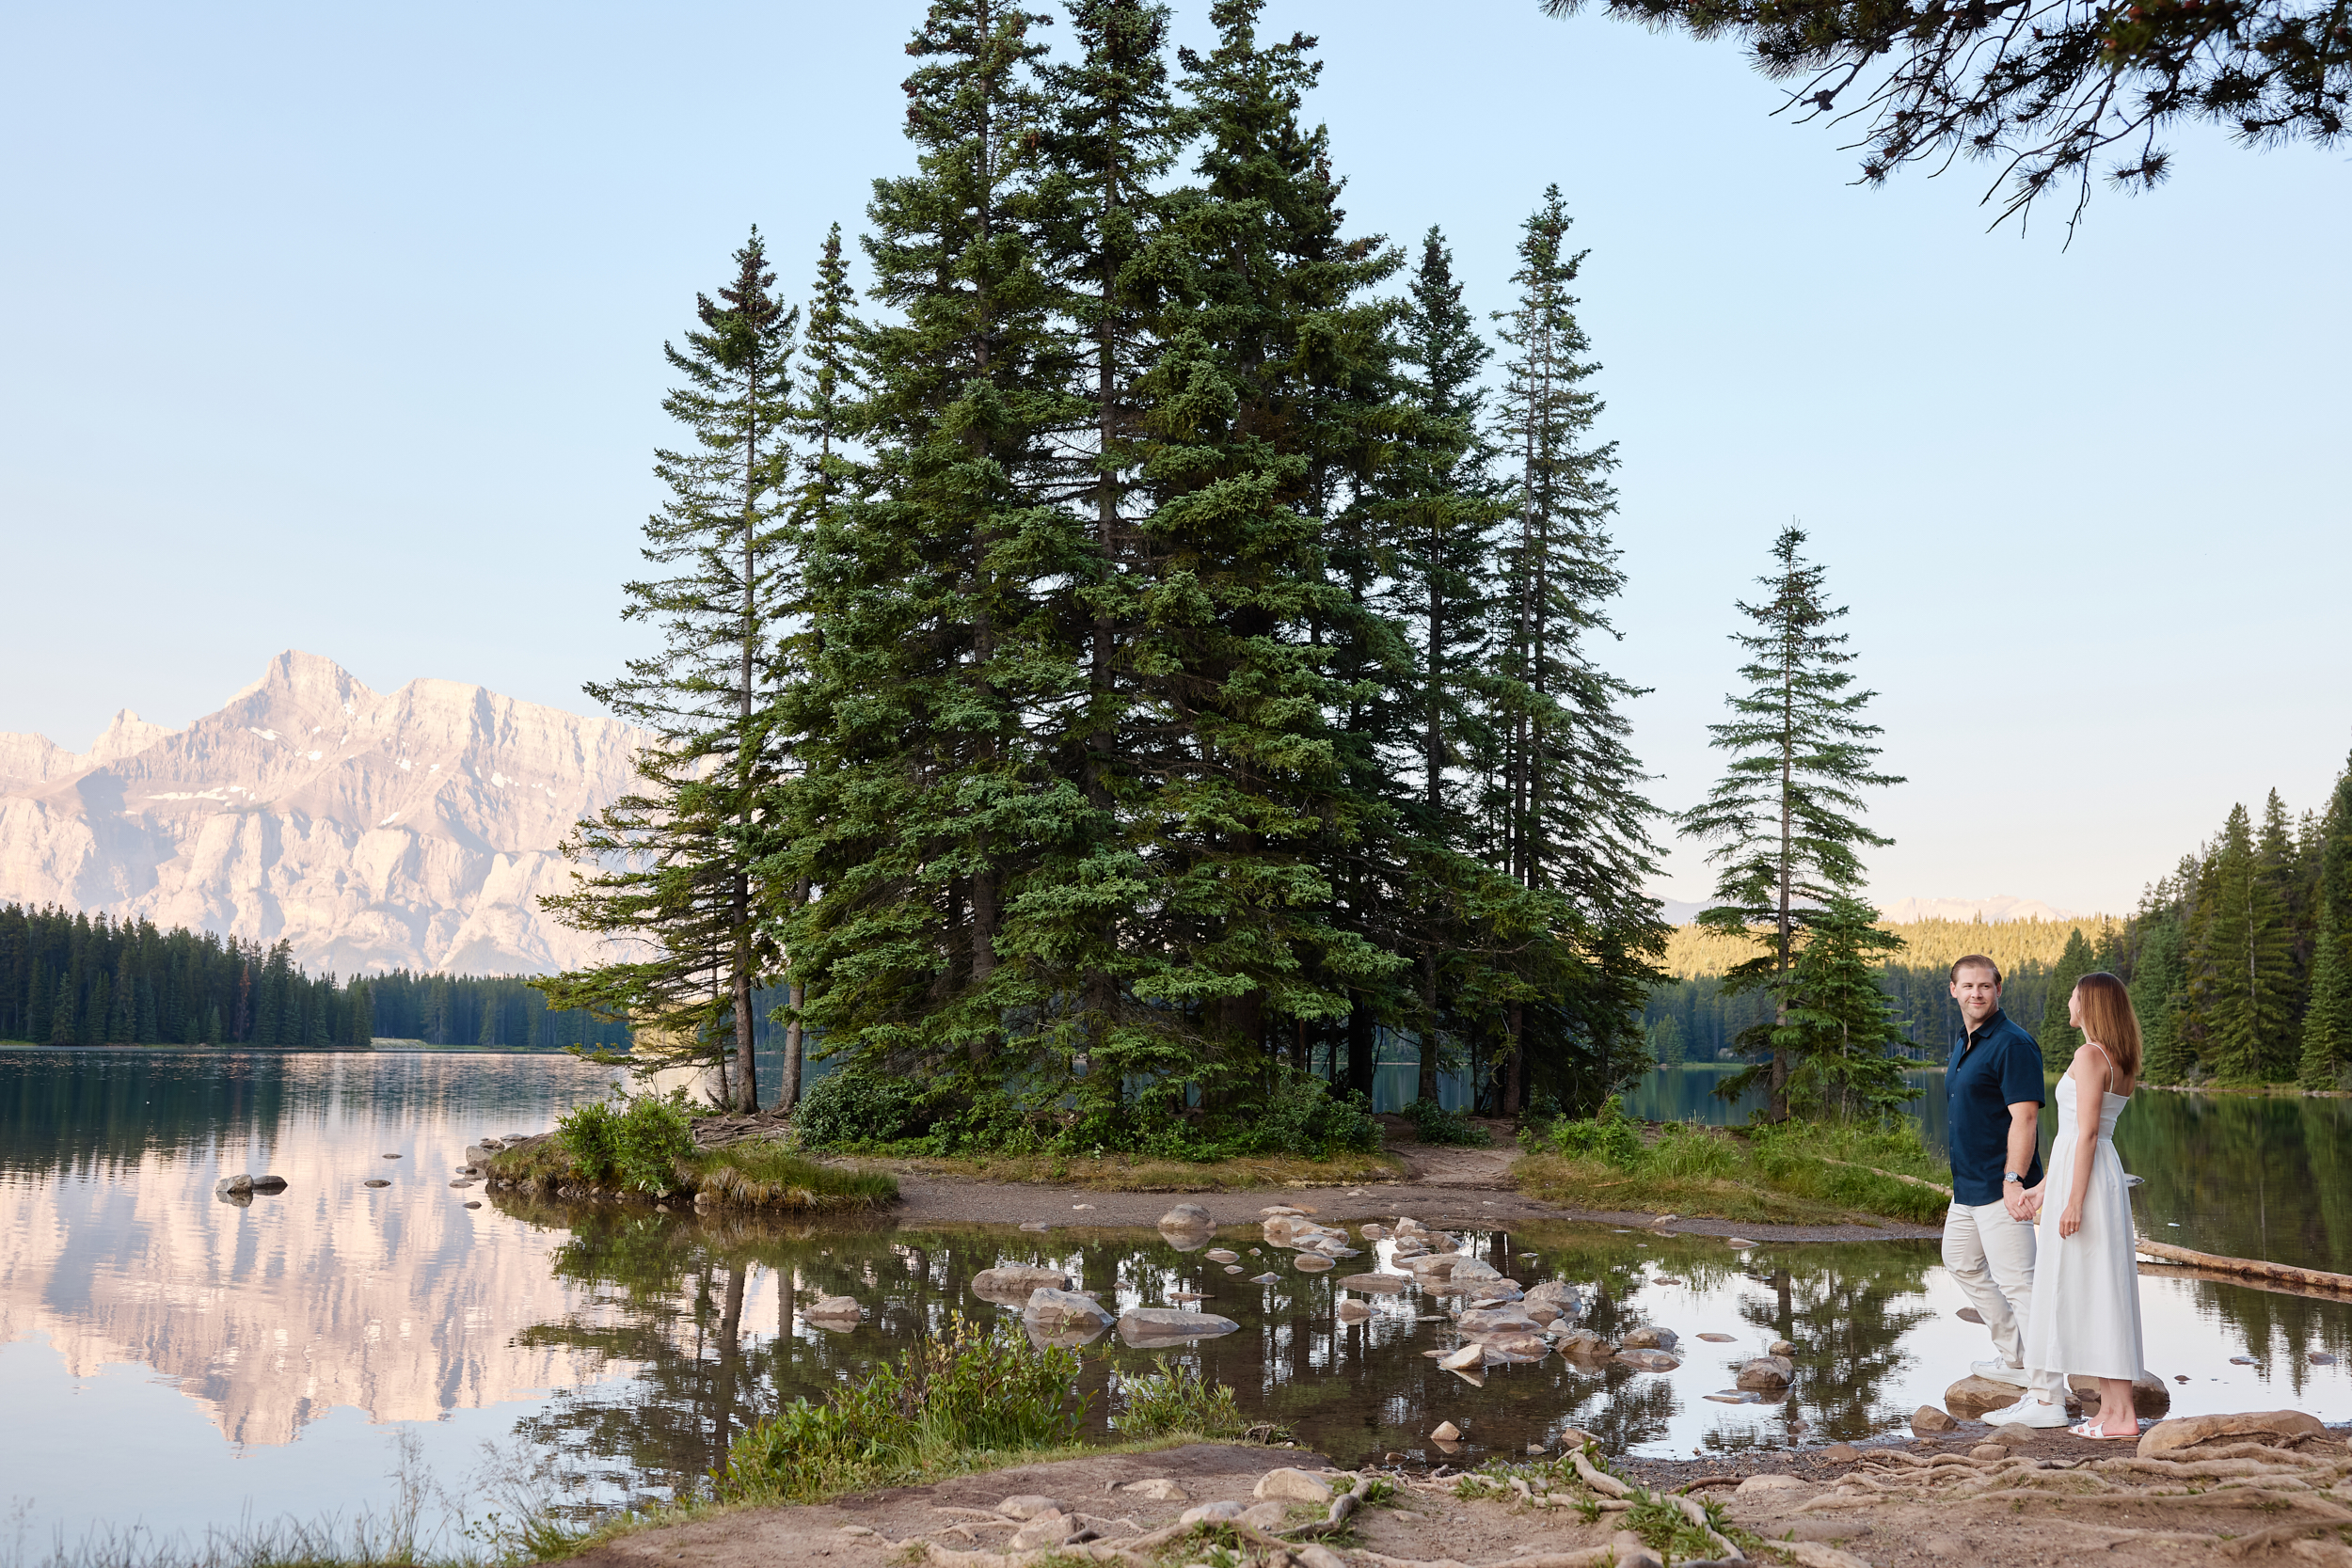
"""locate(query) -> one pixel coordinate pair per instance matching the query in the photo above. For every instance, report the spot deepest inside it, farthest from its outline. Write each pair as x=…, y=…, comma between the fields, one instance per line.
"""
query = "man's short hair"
x=1975, y=961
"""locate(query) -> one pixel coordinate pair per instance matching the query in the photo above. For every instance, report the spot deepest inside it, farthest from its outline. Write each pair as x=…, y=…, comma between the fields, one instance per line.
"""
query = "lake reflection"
x=257, y=1362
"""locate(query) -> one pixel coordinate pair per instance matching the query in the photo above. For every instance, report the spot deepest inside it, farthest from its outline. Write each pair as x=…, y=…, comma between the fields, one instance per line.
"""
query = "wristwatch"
x=2008, y=1177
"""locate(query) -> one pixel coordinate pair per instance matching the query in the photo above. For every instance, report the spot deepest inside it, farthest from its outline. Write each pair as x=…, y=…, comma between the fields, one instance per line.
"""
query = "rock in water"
x=1716, y=1339
x=1650, y=1337
x=1232, y=1268
x=1265, y=1279
x=1927, y=1421
x=1011, y=1285
x=1311, y=1262
x=1352, y=1311
x=1780, y=1347
x=1461, y=1360
x=229, y=1186
x=1498, y=1319
x=1187, y=1216
x=1052, y=1310
x=2274, y=1428
x=1447, y=1432
x=1166, y=1325
x=1648, y=1360
x=1222, y=1255
x=1766, y=1372
x=1371, y=1284
x=1582, y=1344
x=375, y=1181
x=835, y=1312
x=1292, y=1486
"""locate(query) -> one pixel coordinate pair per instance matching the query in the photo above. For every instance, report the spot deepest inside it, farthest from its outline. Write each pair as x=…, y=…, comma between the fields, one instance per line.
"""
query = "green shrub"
x=1300, y=1115
x=853, y=1109
x=636, y=1140
x=953, y=1397
x=1434, y=1124
x=1179, y=1399
x=1607, y=1134
x=587, y=1135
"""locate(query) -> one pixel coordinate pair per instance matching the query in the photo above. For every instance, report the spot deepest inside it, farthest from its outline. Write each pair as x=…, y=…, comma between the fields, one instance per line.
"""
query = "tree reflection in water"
x=699, y=1316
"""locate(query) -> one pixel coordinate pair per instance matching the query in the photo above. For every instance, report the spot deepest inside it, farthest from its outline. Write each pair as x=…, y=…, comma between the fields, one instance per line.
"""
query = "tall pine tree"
x=2327, y=1041
x=671, y=864
x=1786, y=816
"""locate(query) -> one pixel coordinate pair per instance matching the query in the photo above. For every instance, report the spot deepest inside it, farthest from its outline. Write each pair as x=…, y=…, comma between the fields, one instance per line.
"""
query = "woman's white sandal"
x=2092, y=1431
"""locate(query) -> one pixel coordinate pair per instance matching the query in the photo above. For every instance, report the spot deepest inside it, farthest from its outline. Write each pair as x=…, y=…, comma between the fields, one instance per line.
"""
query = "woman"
x=2086, y=1298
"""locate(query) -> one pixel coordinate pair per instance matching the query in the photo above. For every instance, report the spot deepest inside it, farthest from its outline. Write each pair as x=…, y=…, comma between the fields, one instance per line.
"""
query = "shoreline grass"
x=756, y=1174
x=1798, y=1174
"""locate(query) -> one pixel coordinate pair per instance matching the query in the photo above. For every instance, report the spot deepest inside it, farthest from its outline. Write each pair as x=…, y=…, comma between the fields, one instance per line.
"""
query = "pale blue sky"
x=339, y=328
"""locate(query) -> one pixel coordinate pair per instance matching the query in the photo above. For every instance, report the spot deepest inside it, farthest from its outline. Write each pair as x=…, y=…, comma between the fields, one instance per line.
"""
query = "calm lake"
x=174, y=1365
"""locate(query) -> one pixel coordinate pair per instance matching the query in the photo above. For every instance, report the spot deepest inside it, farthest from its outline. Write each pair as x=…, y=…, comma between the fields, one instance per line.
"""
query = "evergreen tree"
x=2241, y=988
x=1786, y=815
x=1834, y=1022
x=2158, y=981
x=1667, y=1041
x=672, y=861
x=1563, y=801
x=2327, y=1020
x=1253, y=817
x=945, y=593
x=2059, y=1039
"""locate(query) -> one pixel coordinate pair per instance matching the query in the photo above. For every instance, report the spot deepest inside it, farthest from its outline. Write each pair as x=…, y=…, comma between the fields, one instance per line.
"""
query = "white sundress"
x=2085, y=1319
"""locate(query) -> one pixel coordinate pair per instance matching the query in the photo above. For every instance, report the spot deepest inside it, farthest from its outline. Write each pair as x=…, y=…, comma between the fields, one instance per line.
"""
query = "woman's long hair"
x=2108, y=1019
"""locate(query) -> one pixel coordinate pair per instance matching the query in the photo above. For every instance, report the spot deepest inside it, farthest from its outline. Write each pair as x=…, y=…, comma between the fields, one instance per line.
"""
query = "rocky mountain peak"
x=416, y=827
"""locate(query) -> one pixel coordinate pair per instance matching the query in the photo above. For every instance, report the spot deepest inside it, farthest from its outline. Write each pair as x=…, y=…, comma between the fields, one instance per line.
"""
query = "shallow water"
x=174, y=1362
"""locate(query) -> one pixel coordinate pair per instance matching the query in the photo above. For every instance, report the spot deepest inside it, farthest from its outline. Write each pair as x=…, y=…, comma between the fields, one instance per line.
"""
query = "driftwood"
x=2283, y=1274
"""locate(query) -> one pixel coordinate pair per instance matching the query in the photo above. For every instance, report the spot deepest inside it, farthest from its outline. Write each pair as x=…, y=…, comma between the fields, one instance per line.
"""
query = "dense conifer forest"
x=1151, y=646
x=68, y=979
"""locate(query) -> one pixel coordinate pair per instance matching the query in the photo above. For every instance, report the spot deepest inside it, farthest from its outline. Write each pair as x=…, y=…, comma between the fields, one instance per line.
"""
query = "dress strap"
x=2104, y=1057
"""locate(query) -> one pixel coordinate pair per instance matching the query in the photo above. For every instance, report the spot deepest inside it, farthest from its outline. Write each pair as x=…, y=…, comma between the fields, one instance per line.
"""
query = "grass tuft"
x=758, y=1173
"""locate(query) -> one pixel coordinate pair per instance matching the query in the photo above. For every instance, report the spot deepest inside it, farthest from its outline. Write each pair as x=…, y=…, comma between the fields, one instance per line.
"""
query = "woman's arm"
x=2090, y=1089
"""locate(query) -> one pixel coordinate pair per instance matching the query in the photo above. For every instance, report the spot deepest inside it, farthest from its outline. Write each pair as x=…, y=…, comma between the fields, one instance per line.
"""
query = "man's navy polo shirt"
x=1997, y=1067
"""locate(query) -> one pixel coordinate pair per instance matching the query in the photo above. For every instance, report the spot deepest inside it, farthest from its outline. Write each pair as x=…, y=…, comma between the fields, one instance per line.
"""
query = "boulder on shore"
x=1972, y=1396
x=1292, y=1486
x=1012, y=1285
x=1927, y=1421
x=1187, y=1216
x=2274, y=1428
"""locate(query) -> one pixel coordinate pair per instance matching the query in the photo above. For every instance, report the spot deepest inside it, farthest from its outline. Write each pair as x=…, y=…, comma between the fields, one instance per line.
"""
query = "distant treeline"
x=71, y=979
x=1691, y=1020
x=2240, y=962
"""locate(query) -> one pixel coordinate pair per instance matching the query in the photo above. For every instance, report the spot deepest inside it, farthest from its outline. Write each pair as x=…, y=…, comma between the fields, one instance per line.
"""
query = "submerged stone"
x=1049, y=1309
x=1160, y=1325
x=1013, y=1284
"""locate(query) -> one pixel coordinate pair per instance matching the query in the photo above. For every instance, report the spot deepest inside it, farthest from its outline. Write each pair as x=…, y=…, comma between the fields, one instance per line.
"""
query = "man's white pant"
x=1991, y=1256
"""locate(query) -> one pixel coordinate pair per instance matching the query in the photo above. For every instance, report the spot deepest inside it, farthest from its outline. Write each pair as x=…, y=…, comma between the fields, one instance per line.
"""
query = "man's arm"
x=2021, y=1116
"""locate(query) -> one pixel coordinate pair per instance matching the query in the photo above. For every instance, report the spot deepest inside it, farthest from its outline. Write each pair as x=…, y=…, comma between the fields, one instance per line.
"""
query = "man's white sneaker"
x=1999, y=1371
x=2032, y=1411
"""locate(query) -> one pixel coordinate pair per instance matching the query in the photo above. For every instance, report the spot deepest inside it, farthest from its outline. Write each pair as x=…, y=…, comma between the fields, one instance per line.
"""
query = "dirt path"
x=1448, y=1187
x=2050, y=1498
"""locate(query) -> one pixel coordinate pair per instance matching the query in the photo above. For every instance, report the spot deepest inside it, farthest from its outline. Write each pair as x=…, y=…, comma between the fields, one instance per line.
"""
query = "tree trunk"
x=746, y=1066
x=1515, y=1084
x=1427, y=1087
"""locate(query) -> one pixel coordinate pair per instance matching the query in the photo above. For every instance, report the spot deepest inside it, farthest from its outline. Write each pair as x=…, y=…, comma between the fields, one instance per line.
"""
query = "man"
x=1994, y=1088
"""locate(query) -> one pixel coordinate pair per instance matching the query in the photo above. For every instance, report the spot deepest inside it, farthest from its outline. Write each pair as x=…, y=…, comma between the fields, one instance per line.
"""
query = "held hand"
x=2070, y=1220
x=2013, y=1199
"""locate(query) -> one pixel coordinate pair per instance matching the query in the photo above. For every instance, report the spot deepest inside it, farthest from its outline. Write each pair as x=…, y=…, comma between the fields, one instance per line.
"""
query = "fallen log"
x=2251, y=1268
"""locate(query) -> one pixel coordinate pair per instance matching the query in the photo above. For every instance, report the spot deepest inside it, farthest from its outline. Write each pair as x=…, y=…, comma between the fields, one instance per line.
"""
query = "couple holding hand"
x=2048, y=1264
